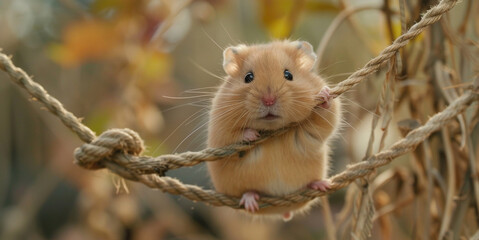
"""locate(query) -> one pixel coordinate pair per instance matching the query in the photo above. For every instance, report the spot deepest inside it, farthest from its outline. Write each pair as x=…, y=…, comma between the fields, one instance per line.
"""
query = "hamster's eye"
x=288, y=75
x=249, y=77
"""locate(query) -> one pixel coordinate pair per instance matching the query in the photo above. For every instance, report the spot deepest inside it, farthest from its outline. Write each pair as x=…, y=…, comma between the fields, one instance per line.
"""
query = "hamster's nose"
x=268, y=100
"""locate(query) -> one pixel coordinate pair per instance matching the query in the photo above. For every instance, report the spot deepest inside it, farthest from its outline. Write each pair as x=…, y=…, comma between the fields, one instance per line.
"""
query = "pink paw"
x=249, y=201
x=250, y=135
x=287, y=216
x=325, y=96
x=321, y=185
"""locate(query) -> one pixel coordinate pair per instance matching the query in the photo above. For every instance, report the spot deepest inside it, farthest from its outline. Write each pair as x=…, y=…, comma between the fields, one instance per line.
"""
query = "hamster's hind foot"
x=250, y=135
x=321, y=185
x=249, y=201
x=325, y=96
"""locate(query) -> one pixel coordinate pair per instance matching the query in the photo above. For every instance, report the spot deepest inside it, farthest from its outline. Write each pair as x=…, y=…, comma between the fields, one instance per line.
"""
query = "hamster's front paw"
x=325, y=96
x=321, y=185
x=287, y=216
x=250, y=135
x=249, y=201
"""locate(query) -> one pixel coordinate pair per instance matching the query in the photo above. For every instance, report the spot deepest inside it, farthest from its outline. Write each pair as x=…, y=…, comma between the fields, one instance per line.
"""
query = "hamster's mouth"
x=270, y=116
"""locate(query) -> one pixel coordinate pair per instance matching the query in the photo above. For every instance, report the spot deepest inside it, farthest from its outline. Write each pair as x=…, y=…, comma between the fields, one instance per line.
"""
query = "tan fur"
x=285, y=163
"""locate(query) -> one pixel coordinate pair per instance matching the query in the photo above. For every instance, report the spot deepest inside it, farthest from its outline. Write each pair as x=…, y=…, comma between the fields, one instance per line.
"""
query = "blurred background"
x=153, y=65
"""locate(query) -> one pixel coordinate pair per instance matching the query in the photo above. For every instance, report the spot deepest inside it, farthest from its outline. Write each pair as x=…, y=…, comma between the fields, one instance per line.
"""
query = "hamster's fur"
x=286, y=163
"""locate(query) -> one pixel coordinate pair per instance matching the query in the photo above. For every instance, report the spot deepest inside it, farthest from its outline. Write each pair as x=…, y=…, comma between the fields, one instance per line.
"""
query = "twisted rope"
x=119, y=149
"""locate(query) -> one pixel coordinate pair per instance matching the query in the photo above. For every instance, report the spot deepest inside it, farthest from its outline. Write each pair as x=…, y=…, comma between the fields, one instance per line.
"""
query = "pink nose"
x=268, y=100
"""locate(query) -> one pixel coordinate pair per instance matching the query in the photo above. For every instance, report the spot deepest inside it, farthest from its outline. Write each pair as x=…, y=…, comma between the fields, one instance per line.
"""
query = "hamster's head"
x=273, y=84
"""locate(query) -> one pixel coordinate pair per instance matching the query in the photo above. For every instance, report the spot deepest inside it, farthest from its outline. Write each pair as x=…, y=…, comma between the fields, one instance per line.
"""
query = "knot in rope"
x=92, y=155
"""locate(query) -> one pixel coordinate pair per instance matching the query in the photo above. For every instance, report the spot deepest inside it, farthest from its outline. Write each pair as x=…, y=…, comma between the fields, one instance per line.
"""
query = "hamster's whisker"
x=230, y=94
x=201, y=88
x=295, y=110
x=230, y=105
x=227, y=33
x=321, y=116
x=189, y=135
x=183, y=105
x=174, y=131
x=315, y=129
x=212, y=40
x=340, y=135
x=240, y=118
x=186, y=97
x=337, y=75
x=342, y=120
x=335, y=114
x=198, y=128
x=224, y=116
x=253, y=86
x=282, y=85
x=320, y=70
x=214, y=93
x=231, y=111
x=359, y=105
x=207, y=71
x=344, y=110
x=188, y=93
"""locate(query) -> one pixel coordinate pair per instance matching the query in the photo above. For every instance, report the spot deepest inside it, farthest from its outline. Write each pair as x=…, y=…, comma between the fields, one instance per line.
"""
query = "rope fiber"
x=120, y=150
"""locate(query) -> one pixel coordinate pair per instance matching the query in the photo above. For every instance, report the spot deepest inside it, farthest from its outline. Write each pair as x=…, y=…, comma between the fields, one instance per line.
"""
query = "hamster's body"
x=286, y=163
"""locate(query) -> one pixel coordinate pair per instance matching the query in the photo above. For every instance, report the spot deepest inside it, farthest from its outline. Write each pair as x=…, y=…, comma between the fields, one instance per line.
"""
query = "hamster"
x=267, y=87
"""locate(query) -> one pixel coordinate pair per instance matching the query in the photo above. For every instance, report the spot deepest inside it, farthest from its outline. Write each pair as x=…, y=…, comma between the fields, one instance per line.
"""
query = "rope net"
x=119, y=150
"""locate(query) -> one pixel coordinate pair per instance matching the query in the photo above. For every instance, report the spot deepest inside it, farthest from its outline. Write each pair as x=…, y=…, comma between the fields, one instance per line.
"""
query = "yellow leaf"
x=150, y=65
x=121, y=6
x=321, y=6
x=279, y=16
x=85, y=40
x=396, y=28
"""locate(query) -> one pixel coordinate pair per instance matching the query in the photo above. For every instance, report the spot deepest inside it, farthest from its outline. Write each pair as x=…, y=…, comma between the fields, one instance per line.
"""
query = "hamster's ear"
x=307, y=57
x=231, y=60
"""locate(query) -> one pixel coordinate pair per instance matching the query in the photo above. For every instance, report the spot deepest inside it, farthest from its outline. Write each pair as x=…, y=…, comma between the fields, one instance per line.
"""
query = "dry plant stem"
x=451, y=94
x=118, y=145
x=328, y=219
x=383, y=109
x=429, y=187
x=404, y=55
x=5, y=147
x=364, y=215
x=451, y=177
x=433, y=15
x=444, y=81
x=393, y=207
x=343, y=216
x=333, y=27
x=462, y=204
x=389, y=23
x=357, y=31
x=463, y=27
x=474, y=172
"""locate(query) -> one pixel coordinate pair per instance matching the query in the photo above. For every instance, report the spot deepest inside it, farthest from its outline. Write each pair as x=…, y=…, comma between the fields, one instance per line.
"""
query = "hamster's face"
x=273, y=84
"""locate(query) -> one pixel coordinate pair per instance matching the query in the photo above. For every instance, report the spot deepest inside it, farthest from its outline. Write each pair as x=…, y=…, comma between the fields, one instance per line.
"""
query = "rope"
x=119, y=149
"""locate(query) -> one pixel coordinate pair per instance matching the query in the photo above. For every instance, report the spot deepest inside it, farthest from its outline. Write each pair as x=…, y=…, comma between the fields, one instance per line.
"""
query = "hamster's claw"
x=325, y=96
x=250, y=135
x=249, y=201
x=321, y=185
